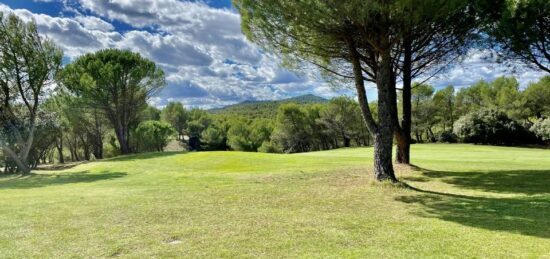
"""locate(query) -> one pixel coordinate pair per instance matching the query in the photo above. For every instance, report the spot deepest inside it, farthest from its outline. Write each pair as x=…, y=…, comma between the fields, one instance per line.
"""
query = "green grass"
x=472, y=201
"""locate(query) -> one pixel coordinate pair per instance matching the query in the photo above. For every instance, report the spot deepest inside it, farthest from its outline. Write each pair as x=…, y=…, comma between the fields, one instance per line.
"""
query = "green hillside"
x=265, y=109
x=471, y=202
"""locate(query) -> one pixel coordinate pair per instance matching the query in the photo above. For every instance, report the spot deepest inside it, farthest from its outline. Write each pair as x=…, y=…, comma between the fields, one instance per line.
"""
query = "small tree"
x=153, y=135
x=119, y=83
x=177, y=116
x=28, y=64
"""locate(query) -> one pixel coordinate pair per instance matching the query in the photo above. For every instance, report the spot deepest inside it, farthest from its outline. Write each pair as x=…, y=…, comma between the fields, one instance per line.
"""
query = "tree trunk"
x=383, y=130
x=403, y=135
x=59, y=146
x=22, y=165
x=383, y=140
x=123, y=141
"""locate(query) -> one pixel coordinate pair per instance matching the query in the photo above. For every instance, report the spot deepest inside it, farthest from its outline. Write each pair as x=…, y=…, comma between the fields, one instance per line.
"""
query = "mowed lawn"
x=471, y=201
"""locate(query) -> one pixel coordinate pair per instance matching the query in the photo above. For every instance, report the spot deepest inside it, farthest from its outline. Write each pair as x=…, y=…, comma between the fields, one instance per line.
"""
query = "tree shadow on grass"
x=528, y=214
x=529, y=182
x=143, y=156
x=43, y=180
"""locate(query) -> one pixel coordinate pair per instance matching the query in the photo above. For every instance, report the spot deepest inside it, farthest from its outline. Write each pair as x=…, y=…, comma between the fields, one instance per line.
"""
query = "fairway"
x=472, y=201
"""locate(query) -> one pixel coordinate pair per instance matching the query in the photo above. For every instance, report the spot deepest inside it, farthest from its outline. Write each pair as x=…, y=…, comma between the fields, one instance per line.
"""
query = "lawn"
x=471, y=201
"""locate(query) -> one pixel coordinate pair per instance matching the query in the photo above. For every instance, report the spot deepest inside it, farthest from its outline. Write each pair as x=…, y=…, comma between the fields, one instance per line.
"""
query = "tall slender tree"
x=28, y=65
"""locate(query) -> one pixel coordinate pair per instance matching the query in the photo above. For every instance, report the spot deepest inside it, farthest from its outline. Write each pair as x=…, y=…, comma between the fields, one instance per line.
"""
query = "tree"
x=423, y=111
x=119, y=83
x=214, y=138
x=433, y=35
x=28, y=65
x=350, y=39
x=490, y=126
x=542, y=129
x=292, y=132
x=537, y=98
x=340, y=117
x=150, y=113
x=444, y=100
x=522, y=33
x=153, y=135
x=177, y=116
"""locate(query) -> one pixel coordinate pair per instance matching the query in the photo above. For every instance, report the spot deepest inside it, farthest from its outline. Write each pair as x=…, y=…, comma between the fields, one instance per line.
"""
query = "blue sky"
x=207, y=60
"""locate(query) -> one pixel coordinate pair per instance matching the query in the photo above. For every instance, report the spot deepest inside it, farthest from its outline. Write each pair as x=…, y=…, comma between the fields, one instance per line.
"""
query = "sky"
x=199, y=44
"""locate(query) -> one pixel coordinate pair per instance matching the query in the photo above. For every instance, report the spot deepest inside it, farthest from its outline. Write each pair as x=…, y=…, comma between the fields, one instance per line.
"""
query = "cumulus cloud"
x=207, y=60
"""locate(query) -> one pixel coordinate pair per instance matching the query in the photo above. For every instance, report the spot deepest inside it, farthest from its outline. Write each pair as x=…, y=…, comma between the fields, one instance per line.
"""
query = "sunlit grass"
x=472, y=201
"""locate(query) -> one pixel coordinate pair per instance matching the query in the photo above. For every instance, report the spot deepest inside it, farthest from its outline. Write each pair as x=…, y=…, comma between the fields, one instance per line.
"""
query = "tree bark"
x=383, y=130
x=403, y=136
x=383, y=140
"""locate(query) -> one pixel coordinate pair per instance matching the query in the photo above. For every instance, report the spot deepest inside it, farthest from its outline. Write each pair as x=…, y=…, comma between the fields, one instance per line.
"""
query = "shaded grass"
x=470, y=201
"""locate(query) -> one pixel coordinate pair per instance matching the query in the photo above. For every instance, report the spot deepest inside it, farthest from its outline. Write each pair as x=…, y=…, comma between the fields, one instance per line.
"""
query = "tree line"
x=102, y=97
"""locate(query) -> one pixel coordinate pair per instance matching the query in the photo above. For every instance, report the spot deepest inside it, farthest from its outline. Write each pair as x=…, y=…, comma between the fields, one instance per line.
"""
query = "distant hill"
x=265, y=109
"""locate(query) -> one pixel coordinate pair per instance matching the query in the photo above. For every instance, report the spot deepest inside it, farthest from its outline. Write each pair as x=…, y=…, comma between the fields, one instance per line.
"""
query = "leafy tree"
x=119, y=83
x=177, y=116
x=542, y=129
x=489, y=126
x=28, y=64
x=341, y=117
x=537, y=98
x=214, y=138
x=423, y=111
x=239, y=137
x=522, y=32
x=153, y=135
x=150, y=113
x=200, y=120
x=444, y=101
x=292, y=131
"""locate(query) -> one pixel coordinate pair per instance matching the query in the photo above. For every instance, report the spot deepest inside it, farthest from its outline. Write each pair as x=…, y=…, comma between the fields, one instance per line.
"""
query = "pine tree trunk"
x=404, y=135
x=383, y=139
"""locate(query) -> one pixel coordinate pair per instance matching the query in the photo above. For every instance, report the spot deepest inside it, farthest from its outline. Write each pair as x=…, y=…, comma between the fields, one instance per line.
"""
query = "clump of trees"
x=28, y=65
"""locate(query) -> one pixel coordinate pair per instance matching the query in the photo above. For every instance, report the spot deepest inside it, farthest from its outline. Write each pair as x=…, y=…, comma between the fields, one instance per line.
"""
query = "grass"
x=472, y=201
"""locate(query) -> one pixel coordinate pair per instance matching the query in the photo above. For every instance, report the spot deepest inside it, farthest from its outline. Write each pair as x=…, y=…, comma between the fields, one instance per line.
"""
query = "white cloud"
x=207, y=60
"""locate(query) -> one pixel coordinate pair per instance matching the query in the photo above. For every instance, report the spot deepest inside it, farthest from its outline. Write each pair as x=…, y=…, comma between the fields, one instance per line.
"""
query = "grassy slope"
x=476, y=201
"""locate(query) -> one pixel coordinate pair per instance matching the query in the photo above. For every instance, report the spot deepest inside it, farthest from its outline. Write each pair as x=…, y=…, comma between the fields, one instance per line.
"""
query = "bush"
x=542, y=129
x=488, y=126
x=447, y=137
x=153, y=135
x=269, y=147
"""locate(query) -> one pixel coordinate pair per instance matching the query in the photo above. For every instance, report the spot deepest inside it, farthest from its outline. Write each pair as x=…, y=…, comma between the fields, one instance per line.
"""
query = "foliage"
x=153, y=135
x=521, y=32
x=28, y=65
x=542, y=129
x=264, y=109
x=537, y=98
x=489, y=126
x=177, y=116
x=119, y=83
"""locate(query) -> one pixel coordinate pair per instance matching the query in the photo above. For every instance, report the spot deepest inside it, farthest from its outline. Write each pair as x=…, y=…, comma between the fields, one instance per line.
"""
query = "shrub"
x=542, y=129
x=269, y=147
x=153, y=135
x=489, y=126
x=447, y=137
